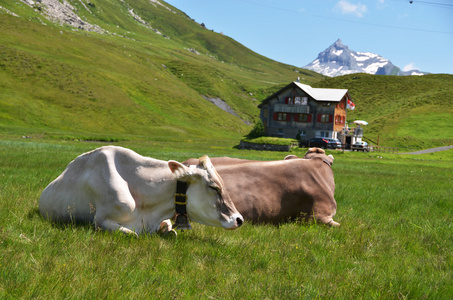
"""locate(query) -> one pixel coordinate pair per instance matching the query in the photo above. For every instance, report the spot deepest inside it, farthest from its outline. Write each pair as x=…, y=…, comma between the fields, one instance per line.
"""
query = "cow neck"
x=181, y=217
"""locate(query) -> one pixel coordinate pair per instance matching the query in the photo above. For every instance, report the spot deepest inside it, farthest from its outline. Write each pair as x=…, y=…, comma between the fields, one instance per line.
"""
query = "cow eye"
x=215, y=188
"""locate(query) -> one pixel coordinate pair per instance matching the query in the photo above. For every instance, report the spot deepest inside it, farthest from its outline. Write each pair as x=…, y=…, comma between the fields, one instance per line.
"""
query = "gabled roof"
x=334, y=95
x=322, y=94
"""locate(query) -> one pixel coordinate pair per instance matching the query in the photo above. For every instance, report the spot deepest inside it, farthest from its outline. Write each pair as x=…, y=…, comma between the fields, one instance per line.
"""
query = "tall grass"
x=395, y=239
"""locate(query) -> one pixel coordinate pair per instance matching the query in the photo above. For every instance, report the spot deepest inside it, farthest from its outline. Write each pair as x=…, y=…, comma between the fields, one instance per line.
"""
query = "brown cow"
x=278, y=191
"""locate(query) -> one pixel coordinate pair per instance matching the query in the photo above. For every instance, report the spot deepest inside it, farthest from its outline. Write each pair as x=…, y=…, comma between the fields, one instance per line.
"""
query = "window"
x=324, y=134
x=340, y=104
x=300, y=100
x=339, y=120
x=302, y=132
x=296, y=100
x=280, y=116
x=305, y=118
x=324, y=118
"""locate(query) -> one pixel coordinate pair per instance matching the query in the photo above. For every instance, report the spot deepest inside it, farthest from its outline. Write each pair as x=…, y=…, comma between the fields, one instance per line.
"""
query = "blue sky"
x=417, y=35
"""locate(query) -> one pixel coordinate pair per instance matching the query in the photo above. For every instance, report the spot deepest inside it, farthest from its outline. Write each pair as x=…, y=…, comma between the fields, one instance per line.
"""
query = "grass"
x=271, y=140
x=395, y=239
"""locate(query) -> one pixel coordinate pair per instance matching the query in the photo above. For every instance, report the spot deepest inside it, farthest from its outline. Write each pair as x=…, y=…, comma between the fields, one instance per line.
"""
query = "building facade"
x=300, y=111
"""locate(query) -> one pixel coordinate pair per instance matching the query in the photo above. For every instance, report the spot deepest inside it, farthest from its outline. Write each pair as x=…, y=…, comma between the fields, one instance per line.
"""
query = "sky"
x=417, y=35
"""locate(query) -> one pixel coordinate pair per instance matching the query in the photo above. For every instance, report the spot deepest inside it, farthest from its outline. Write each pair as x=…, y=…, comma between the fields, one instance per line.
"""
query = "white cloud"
x=350, y=8
x=409, y=67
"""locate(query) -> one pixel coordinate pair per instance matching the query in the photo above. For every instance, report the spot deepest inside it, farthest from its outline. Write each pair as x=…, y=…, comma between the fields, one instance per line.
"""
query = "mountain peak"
x=339, y=60
x=338, y=44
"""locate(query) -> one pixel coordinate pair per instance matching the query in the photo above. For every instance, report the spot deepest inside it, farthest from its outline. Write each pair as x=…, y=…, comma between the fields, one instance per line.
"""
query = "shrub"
x=257, y=131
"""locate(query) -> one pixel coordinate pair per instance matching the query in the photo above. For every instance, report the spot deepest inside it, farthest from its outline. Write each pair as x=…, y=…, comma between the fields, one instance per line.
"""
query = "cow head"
x=318, y=153
x=207, y=201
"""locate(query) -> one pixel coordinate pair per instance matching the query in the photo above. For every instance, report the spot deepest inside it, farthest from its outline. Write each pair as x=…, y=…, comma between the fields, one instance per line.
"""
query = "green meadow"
x=395, y=239
x=65, y=91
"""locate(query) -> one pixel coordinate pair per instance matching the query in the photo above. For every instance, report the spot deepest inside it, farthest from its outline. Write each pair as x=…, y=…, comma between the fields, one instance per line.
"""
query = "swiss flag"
x=350, y=105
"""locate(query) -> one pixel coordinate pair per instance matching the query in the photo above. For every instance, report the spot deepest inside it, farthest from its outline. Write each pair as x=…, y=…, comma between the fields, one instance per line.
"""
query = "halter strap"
x=181, y=217
x=327, y=162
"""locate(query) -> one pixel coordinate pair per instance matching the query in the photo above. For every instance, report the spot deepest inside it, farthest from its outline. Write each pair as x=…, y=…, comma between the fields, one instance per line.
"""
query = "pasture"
x=395, y=239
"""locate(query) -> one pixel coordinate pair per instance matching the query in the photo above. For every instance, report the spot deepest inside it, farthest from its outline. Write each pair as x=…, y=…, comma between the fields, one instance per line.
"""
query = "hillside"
x=144, y=69
x=134, y=68
x=408, y=112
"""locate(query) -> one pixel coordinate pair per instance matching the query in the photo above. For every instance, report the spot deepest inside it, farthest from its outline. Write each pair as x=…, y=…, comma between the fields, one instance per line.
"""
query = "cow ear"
x=178, y=169
x=330, y=158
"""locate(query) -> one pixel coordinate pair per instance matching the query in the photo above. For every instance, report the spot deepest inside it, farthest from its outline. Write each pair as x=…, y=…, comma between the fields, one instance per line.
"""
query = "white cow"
x=118, y=189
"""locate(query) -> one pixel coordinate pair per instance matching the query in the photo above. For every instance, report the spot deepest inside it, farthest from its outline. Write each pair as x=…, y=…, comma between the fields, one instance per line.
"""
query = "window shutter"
x=275, y=116
x=309, y=118
x=286, y=100
x=288, y=117
x=319, y=117
x=296, y=117
x=330, y=118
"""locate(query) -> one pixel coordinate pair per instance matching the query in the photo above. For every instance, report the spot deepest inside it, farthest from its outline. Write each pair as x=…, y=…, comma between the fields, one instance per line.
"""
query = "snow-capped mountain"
x=339, y=60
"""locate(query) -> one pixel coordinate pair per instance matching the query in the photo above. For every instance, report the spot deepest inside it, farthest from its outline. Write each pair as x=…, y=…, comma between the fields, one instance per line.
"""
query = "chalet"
x=298, y=110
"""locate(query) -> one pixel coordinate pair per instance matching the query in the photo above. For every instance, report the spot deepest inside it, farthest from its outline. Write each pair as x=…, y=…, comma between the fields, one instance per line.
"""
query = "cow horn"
x=316, y=150
x=205, y=162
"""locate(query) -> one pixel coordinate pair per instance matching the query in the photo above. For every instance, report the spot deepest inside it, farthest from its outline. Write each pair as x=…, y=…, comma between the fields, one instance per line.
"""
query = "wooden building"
x=298, y=110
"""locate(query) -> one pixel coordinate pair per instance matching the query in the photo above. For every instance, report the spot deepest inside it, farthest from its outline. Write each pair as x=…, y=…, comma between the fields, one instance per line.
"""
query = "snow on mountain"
x=339, y=60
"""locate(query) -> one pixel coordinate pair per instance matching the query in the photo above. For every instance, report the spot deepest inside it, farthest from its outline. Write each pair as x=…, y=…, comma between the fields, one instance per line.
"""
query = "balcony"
x=293, y=109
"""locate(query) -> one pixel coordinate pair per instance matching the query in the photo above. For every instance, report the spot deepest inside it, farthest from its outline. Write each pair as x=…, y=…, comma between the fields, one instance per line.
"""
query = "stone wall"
x=265, y=147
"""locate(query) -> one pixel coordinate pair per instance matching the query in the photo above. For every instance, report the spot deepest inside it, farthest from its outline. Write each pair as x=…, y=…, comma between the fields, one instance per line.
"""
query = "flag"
x=350, y=105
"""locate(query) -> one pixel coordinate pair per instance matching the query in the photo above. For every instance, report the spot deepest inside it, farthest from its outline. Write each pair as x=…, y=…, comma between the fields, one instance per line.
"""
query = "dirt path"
x=430, y=150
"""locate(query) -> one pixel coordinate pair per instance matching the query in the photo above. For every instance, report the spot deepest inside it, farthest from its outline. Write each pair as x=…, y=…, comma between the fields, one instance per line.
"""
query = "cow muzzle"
x=234, y=221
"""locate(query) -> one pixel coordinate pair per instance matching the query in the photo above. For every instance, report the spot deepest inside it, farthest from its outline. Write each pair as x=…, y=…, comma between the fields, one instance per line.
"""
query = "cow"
x=117, y=189
x=278, y=191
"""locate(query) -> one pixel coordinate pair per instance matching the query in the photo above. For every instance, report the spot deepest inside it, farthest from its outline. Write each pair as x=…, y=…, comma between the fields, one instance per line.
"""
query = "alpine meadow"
x=143, y=75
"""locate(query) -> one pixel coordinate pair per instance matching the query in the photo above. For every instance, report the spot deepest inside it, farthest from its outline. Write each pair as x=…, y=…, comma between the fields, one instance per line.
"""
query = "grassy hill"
x=408, y=112
x=146, y=74
x=129, y=80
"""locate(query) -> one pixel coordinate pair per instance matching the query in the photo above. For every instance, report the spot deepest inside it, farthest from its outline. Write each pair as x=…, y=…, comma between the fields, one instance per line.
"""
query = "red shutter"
x=319, y=117
x=275, y=116
x=296, y=117
x=309, y=118
x=330, y=118
x=288, y=117
x=286, y=100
